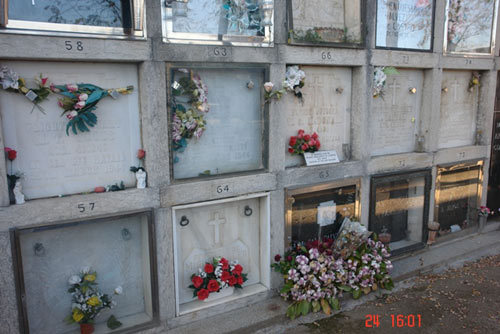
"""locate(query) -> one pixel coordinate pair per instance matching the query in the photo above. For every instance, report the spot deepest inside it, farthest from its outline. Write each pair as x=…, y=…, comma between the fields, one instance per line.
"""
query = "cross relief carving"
x=216, y=223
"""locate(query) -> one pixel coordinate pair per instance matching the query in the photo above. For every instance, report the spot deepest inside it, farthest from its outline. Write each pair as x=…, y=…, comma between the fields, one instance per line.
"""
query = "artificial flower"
x=79, y=105
x=213, y=286
x=197, y=281
x=268, y=87
x=83, y=97
x=209, y=268
x=8, y=78
x=90, y=277
x=11, y=155
x=277, y=258
x=118, y=290
x=94, y=301
x=75, y=279
x=72, y=87
x=237, y=269
x=202, y=294
x=232, y=281
x=141, y=154
x=77, y=315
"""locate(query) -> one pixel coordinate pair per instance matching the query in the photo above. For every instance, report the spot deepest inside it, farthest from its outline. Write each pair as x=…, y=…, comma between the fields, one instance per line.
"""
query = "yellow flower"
x=89, y=277
x=94, y=301
x=77, y=315
x=475, y=81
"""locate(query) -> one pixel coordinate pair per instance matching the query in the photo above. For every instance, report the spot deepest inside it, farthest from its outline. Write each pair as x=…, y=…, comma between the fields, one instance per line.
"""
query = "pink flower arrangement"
x=315, y=279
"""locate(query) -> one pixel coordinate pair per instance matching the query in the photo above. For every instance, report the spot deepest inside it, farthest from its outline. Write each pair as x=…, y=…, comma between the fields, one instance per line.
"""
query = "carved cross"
x=394, y=86
x=455, y=87
x=216, y=223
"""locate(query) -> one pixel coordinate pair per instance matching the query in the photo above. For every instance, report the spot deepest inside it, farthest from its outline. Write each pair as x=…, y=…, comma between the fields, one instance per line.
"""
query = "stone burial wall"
x=402, y=91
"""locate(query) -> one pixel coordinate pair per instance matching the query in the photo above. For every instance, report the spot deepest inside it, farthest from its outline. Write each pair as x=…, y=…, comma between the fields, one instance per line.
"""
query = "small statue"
x=140, y=175
x=18, y=188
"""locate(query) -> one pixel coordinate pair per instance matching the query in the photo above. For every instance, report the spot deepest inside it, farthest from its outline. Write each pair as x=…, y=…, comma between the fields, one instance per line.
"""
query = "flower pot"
x=219, y=295
x=433, y=228
x=86, y=328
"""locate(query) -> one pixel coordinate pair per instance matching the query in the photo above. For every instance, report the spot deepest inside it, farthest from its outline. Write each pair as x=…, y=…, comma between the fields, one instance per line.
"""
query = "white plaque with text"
x=321, y=158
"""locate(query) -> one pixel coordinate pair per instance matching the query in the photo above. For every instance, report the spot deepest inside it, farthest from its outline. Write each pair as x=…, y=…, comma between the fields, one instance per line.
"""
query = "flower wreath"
x=187, y=121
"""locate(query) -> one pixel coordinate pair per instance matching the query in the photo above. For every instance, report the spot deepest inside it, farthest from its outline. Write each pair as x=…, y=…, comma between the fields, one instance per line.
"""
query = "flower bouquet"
x=314, y=279
x=474, y=81
x=10, y=81
x=219, y=276
x=79, y=102
x=12, y=178
x=303, y=142
x=351, y=235
x=295, y=80
x=484, y=211
x=88, y=301
x=379, y=77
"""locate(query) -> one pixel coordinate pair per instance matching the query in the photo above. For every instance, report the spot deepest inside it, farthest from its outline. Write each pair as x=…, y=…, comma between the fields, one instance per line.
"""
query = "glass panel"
x=405, y=24
x=325, y=21
x=458, y=199
x=470, y=25
x=105, y=13
x=227, y=116
x=118, y=250
x=217, y=17
x=399, y=210
x=320, y=214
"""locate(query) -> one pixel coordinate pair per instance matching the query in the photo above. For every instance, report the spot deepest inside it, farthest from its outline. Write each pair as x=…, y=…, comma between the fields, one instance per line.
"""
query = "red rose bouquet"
x=216, y=276
x=304, y=142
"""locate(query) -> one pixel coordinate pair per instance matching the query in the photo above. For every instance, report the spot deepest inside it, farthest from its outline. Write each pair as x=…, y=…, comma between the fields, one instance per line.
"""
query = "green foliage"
x=310, y=35
x=113, y=323
x=390, y=70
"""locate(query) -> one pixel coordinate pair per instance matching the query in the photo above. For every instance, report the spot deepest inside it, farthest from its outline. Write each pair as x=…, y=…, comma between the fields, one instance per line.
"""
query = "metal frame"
x=387, y=177
x=456, y=167
x=408, y=49
x=290, y=192
x=492, y=41
x=170, y=67
x=169, y=36
x=137, y=31
x=19, y=272
x=363, y=30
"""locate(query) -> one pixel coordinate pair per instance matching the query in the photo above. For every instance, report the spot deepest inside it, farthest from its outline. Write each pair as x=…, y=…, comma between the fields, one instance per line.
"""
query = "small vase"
x=218, y=295
x=86, y=328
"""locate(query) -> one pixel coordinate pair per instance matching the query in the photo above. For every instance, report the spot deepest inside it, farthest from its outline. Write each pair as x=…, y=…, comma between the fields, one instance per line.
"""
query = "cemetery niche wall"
x=221, y=128
x=54, y=162
x=459, y=107
x=248, y=22
x=119, y=249
x=317, y=212
x=399, y=207
x=405, y=24
x=325, y=22
x=111, y=18
x=458, y=194
x=396, y=113
x=237, y=229
x=325, y=109
x=471, y=26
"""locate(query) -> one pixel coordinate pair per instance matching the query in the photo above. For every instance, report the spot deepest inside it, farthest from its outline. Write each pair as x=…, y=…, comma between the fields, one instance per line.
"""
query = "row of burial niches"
x=74, y=128
x=403, y=24
x=222, y=247
x=399, y=207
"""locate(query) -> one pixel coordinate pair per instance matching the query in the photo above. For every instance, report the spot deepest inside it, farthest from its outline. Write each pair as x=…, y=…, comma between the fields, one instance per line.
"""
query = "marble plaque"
x=233, y=136
x=330, y=21
x=219, y=230
x=395, y=115
x=405, y=24
x=459, y=109
x=54, y=163
x=470, y=26
x=326, y=109
x=118, y=250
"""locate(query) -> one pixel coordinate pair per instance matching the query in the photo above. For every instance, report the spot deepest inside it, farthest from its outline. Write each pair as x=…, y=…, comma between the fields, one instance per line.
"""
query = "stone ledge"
x=50, y=210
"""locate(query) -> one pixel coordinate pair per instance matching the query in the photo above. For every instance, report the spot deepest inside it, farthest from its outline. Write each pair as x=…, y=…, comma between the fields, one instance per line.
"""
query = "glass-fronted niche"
x=217, y=120
x=236, y=22
x=114, y=18
x=470, y=27
x=399, y=208
x=334, y=22
x=458, y=196
x=116, y=252
x=405, y=24
x=317, y=212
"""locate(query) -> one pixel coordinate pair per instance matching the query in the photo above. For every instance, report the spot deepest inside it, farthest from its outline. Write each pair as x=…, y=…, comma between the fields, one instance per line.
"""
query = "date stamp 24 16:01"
x=397, y=320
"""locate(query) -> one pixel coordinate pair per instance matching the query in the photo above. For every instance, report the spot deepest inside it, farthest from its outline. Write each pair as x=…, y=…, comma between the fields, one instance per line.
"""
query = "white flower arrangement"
x=379, y=77
x=294, y=80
